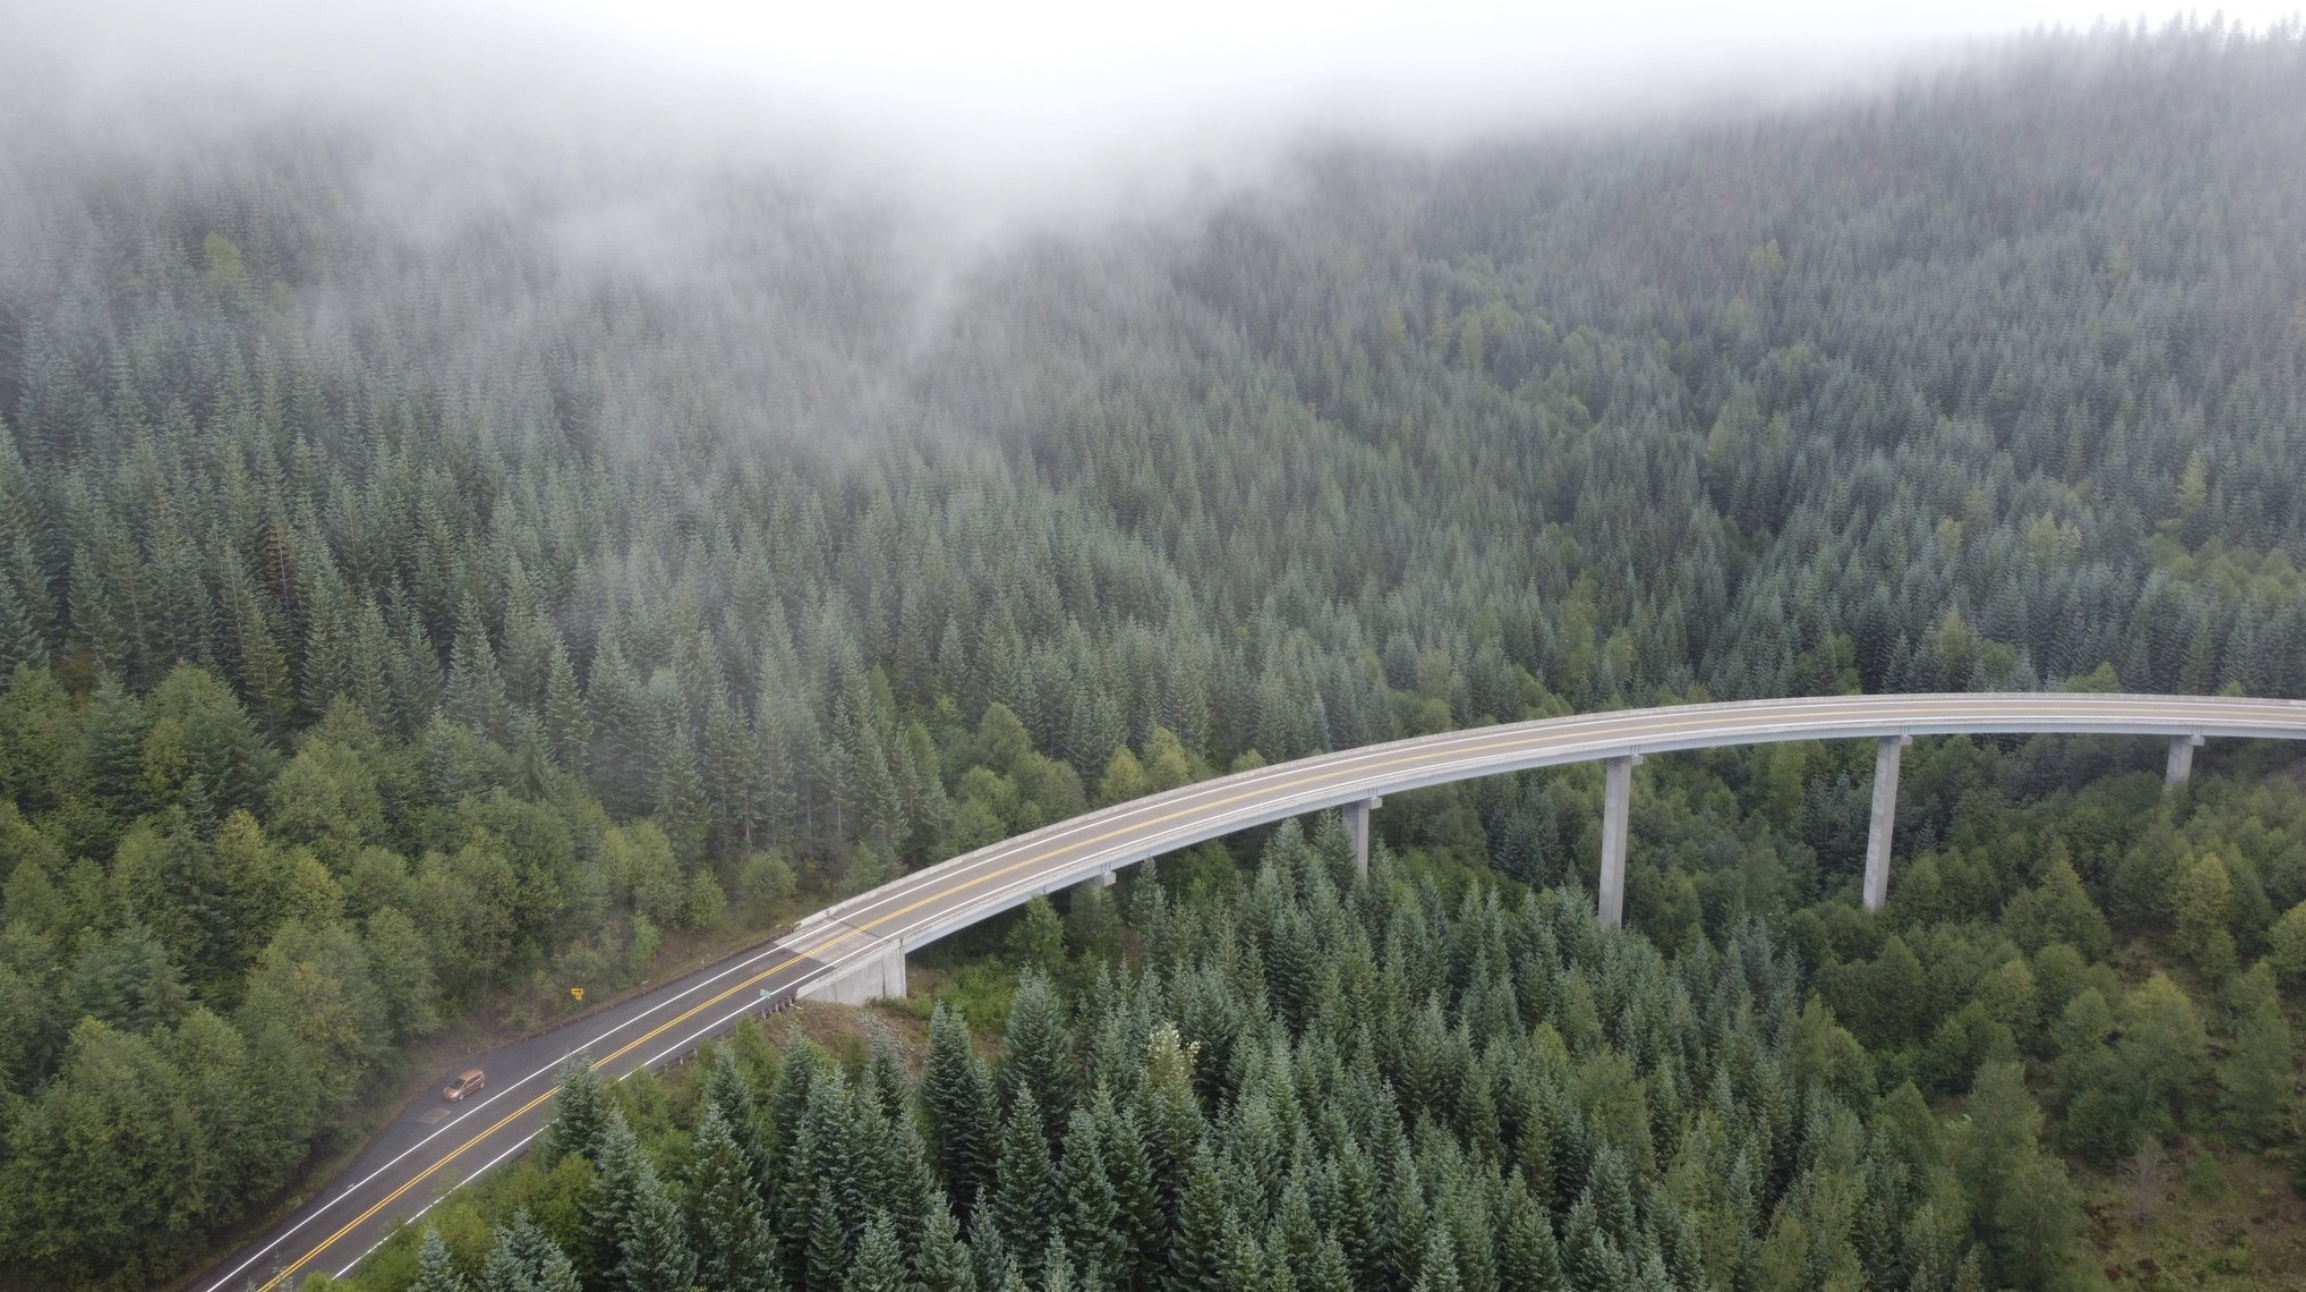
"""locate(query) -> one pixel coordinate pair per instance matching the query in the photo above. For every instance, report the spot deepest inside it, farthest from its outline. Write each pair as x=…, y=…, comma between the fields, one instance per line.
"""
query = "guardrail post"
x=2181, y=764
x=1888, y=753
x=1617, y=800
x=1357, y=829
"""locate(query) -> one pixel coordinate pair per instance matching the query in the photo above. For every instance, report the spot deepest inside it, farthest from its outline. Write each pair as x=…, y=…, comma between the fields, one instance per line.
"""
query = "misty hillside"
x=432, y=519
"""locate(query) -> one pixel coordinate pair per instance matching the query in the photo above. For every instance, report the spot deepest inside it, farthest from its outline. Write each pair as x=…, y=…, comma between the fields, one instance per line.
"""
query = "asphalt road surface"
x=431, y=1146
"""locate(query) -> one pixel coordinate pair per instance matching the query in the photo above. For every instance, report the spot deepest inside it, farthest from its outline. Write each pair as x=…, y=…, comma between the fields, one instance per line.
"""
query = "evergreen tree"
x=434, y=1273
x=1526, y=1258
x=1195, y=1256
x=1026, y=1192
x=581, y=1112
x=728, y=1230
x=2261, y=1066
x=1037, y=1055
x=1091, y=1225
x=957, y=1094
x=879, y=1266
x=944, y=1265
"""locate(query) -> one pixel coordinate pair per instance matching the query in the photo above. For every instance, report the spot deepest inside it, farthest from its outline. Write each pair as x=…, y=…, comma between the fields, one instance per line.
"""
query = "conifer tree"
x=732, y=1096
x=1037, y=1055
x=1091, y=1224
x=2261, y=1066
x=581, y=1111
x=825, y=1254
x=613, y=1199
x=1196, y=1255
x=729, y=1232
x=537, y=1256
x=957, y=1094
x=1526, y=1258
x=944, y=1265
x=434, y=1272
x=1026, y=1197
x=879, y=1264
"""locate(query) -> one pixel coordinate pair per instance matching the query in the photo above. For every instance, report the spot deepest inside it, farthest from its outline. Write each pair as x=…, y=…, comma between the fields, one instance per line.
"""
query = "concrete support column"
x=2181, y=764
x=1887, y=756
x=1617, y=800
x=1357, y=829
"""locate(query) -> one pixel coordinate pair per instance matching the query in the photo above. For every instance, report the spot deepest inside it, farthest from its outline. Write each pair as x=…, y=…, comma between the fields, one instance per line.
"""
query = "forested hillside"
x=430, y=571
x=1427, y=1080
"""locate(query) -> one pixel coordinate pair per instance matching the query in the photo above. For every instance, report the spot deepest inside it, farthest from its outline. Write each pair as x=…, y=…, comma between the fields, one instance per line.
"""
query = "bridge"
x=855, y=950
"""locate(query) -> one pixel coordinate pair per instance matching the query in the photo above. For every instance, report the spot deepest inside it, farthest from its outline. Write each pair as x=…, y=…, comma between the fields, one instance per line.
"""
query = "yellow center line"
x=419, y=1178
x=1660, y=725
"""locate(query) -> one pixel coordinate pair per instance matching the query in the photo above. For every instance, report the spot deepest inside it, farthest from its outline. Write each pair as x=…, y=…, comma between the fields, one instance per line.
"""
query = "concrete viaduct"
x=862, y=942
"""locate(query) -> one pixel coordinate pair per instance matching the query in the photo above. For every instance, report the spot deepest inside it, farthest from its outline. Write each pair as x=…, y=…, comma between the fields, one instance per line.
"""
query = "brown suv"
x=465, y=1084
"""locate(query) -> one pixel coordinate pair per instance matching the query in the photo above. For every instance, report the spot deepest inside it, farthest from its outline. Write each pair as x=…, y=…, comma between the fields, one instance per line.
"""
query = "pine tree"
x=1329, y=1270
x=567, y=725
x=2261, y=1066
x=957, y=1093
x=825, y=1254
x=729, y=1231
x=727, y=1091
x=1526, y=1258
x=1091, y=1223
x=500, y=1271
x=1196, y=1253
x=1026, y=1200
x=1403, y=1225
x=1241, y=1266
x=1140, y=1225
x=475, y=694
x=1437, y=1268
x=20, y=641
x=879, y=1266
x=988, y=1251
x=581, y=1110
x=538, y=1257
x=944, y=1265
x=653, y=1247
x=1037, y=1055
x=434, y=1273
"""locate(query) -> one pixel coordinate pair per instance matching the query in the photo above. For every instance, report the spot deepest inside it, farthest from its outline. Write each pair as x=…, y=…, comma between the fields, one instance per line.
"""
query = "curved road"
x=426, y=1151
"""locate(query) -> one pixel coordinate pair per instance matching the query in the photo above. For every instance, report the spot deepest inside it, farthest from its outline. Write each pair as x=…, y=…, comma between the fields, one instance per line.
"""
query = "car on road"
x=466, y=1083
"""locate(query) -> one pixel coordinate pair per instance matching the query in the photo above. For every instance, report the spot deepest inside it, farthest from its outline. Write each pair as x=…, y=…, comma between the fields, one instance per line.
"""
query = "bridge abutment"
x=1889, y=752
x=1616, y=803
x=874, y=971
x=2181, y=765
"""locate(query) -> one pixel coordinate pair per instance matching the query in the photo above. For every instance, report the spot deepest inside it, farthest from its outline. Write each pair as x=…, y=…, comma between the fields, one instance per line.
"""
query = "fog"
x=983, y=112
x=821, y=187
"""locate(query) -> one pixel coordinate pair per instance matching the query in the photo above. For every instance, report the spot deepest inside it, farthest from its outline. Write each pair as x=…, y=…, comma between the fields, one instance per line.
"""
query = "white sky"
x=1030, y=58
x=995, y=95
x=1020, y=80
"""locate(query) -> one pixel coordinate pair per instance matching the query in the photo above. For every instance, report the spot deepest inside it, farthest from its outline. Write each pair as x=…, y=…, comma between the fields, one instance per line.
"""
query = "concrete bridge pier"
x=1357, y=829
x=2181, y=764
x=1889, y=752
x=871, y=969
x=1617, y=800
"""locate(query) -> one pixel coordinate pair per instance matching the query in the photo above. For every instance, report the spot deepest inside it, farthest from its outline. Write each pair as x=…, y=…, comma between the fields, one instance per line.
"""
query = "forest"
x=1291, y=1077
x=416, y=598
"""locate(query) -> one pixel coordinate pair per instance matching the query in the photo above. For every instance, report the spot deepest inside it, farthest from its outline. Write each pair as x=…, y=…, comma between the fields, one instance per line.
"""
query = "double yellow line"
x=1444, y=754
